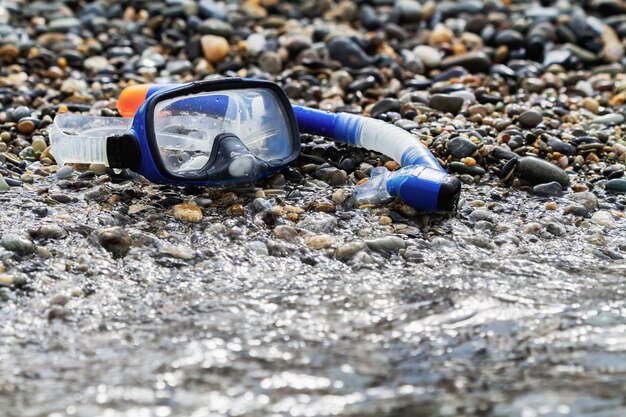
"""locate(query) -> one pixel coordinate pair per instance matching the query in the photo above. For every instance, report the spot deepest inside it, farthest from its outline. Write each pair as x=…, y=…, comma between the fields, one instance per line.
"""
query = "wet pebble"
x=188, y=212
x=318, y=223
x=446, y=103
x=115, y=240
x=349, y=249
x=538, y=171
x=617, y=185
x=586, y=198
x=317, y=242
x=64, y=172
x=461, y=147
x=549, y=189
x=17, y=243
x=348, y=53
x=603, y=218
x=387, y=244
x=530, y=119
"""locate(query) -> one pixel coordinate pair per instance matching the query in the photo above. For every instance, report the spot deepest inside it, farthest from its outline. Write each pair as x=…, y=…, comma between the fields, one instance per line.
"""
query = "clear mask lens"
x=186, y=127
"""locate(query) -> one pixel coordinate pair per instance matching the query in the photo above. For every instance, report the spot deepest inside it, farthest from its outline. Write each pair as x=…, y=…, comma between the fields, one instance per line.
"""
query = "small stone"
x=385, y=220
x=214, y=48
x=115, y=240
x=392, y=165
x=383, y=106
x=319, y=241
x=590, y=104
x=179, y=252
x=97, y=64
x=461, y=168
x=387, y=244
x=4, y=187
x=471, y=61
x=286, y=233
x=188, y=212
x=341, y=195
x=586, y=198
x=408, y=10
x=39, y=144
x=461, y=147
x=255, y=43
x=17, y=243
x=446, y=103
x=73, y=85
x=270, y=62
x=59, y=299
x=347, y=52
x=616, y=185
x=428, y=55
x=549, y=189
x=440, y=34
x=64, y=172
x=216, y=27
x=98, y=169
x=530, y=119
x=258, y=247
x=556, y=229
x=348, y=250
x=603, y=218
x=236, y=210
x=608, y=119
x=318, y=223
x=551, y=205
x=538, y=171
x=339, y=177
x=26, y=127
x=49, y=231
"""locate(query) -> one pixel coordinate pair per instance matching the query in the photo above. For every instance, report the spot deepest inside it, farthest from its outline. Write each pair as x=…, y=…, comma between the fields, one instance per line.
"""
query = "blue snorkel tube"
x=422, y=182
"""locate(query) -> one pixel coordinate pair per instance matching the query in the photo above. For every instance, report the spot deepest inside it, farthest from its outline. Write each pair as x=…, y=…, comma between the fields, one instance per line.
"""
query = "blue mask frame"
x=138, y=149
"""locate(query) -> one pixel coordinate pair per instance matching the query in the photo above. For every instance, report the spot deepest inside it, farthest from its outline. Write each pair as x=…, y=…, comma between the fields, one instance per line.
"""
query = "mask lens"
x=186, y=127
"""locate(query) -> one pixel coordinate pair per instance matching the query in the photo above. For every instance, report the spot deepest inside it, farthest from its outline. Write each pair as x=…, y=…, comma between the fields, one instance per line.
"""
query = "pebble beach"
x=285, y=297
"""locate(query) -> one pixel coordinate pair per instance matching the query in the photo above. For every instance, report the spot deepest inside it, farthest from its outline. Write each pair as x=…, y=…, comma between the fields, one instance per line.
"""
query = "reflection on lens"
x=186, y=127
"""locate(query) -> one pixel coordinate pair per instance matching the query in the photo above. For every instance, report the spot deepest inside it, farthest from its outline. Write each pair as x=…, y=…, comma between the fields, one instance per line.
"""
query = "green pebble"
x=461, y=168
x=39, y=145
x=617, y=185
x=4, y=187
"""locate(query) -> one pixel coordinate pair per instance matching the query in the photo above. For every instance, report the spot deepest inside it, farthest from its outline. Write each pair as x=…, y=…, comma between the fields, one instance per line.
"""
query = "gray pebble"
x=586, y=198
x=446, y=103
x=538, y=171
x=64, y=172
x=386, y=244
x=549, y=189
x=530, y=119
x=318, y=223
x=461, y=147
x=17, y=243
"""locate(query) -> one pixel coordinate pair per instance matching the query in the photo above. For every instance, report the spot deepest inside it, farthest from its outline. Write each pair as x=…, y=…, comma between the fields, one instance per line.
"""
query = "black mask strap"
x=123, y=152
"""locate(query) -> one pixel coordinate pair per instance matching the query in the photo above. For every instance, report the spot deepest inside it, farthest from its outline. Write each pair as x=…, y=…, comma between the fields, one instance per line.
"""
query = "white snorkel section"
x=76, y=138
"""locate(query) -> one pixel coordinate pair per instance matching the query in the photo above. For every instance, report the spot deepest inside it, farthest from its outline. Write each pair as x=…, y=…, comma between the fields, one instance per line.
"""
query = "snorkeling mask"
x=226, y=131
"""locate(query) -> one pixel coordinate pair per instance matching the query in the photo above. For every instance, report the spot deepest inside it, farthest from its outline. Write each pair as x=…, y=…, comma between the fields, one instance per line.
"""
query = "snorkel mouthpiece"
x=421, y=187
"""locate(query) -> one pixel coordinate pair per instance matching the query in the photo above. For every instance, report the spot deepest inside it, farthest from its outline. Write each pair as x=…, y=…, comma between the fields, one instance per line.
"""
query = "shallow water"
x=534, y=326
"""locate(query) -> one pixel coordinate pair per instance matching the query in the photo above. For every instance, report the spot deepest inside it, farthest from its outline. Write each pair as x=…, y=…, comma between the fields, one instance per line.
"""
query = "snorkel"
x=421, y=182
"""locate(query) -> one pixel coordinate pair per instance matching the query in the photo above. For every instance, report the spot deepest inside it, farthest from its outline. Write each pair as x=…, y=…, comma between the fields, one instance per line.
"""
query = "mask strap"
x=123, y=152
